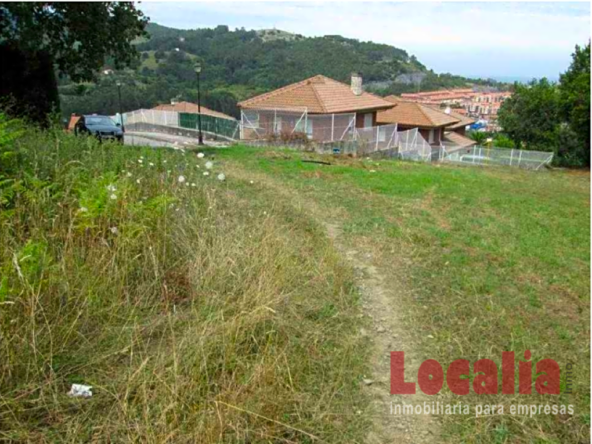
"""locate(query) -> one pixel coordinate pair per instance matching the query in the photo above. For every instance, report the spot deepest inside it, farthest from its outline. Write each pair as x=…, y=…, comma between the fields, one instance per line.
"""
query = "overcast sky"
x=471, y=39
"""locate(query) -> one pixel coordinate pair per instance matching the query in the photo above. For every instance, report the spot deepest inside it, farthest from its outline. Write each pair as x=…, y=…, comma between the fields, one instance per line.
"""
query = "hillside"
x=241, y=63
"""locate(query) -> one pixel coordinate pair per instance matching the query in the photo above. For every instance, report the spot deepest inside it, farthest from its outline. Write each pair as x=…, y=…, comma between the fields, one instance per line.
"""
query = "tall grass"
x=199, y=310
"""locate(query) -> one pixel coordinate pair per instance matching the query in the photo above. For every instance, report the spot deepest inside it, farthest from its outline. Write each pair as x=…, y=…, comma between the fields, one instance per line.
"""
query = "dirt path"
x=382, y=305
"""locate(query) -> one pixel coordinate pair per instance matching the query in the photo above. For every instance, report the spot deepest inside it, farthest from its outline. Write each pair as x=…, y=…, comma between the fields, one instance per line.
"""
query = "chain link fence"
x=478, y=155
x=296, y=124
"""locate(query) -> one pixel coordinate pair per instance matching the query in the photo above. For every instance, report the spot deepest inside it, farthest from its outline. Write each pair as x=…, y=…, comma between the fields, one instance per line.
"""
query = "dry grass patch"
x=199, y=310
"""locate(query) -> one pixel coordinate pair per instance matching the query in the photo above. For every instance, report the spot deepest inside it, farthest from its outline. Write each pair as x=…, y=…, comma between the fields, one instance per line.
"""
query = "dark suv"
x=101, y=127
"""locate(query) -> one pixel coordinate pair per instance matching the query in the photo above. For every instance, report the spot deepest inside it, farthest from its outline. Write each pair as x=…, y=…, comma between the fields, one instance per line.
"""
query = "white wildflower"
x=221, y=176
x=206, y=173
x=111, y=188
x=209, y=165
x=181, y=179
x=138, y=181
x=251, y=182
x=151, y=164
x=113, y=196
x=373, y=171
x=164, y=161
x=140, y=161
x=129, y=174
x=200, y=155
x=83, y=209
x=114, y=230
x=193, y=185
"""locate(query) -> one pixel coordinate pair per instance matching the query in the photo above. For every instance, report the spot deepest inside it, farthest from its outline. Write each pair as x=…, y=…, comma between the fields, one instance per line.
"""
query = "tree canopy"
x=553, y=117
x=75, y=37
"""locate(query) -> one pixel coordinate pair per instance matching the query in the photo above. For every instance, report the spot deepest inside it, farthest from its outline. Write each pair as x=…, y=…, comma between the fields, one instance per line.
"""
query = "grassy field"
x=496, y=260
x=206, y=310
x=180, y=298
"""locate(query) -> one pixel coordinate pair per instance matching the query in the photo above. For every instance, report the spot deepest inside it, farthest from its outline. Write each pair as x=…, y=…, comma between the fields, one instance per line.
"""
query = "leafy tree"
x=530, y=117
x=478, y=136
x=574, y=91
x=75, y=37
x=549, y=117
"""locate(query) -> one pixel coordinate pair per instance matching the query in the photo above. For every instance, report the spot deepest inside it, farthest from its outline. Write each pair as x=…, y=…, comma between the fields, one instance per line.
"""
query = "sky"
x=501, y=40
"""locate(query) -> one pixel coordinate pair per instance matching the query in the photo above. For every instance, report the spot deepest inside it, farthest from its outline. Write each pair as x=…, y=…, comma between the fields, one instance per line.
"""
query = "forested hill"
x=258, y=60
x=239, y=64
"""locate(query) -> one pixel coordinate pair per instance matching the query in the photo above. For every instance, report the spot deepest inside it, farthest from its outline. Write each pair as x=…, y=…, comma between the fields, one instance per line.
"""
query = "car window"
x=99, y=121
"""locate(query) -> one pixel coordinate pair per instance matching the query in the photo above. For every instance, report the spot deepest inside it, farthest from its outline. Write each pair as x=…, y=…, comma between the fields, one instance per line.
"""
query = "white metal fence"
x=478, y=155
x=412, y=146
x=151, y=116
x=185, y=124
x=330, y=133
x=286, y=124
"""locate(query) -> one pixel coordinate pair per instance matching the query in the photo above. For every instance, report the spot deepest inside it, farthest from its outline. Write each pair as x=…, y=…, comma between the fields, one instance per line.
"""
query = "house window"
x=431, y=136
x=278, y=125
x=368, y=120
x=309, y=128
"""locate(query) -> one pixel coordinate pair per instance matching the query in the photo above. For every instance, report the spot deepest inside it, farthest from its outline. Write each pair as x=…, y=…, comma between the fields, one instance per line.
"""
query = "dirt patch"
x=383, y=306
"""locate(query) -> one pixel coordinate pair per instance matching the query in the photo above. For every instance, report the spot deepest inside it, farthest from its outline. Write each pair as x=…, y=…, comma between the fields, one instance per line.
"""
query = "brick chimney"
x=356, y=83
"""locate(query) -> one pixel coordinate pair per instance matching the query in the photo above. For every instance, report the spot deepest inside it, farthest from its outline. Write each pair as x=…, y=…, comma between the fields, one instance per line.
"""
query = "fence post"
x=519, y=158
x=511, y=156
x=332, y=127
x=241, y=134
x=377, y=137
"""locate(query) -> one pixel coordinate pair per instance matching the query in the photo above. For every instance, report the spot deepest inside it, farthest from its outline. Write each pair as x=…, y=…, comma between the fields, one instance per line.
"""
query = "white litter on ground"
x=80, y=391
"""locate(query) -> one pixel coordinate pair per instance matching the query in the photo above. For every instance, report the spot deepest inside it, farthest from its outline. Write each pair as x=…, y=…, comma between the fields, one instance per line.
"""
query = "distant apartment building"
x=481, y=105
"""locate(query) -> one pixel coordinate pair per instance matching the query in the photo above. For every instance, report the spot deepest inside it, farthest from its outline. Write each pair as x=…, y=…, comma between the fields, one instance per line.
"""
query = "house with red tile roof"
x=408, y=115
x=322, y=108
x=440, y=128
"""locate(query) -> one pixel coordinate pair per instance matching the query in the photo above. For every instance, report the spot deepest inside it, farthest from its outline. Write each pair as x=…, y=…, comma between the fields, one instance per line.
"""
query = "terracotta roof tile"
x=318, y=95
x=457, y=141
x=188, y=107
x=414, y=114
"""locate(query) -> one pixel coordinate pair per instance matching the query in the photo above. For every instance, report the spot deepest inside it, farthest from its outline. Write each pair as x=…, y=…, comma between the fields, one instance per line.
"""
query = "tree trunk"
x=28, y=86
